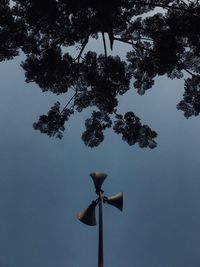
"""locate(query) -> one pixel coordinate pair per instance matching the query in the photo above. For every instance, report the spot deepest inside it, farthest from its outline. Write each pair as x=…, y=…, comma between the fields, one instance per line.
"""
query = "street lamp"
x=88, y=216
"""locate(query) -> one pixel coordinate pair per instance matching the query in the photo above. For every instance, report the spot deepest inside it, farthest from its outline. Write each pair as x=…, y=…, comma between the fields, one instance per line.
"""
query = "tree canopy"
x=164, y=39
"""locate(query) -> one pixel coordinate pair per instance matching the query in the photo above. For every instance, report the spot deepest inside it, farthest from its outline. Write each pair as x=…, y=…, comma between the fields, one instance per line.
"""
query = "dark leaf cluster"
x=52, y=124
x=50, y=70
x=95, y=126
x=161, y=43
x=190, y=104
x=132, y=131
x=103, y=79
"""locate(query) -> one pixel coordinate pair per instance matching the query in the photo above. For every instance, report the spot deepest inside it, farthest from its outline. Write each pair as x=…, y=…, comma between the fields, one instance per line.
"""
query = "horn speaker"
x=116, y=200
x=98, y=179
x=88, y=216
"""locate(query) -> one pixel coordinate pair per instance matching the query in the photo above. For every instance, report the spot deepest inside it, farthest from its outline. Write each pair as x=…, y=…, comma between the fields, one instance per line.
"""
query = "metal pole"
x=88, y=216
x=100, y=259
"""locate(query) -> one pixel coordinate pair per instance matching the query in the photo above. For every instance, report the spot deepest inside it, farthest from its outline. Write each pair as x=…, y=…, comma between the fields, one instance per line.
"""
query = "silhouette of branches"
x=161, y=43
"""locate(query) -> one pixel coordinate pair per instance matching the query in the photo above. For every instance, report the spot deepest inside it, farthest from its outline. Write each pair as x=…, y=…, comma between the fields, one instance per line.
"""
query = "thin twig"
x=144, y=38
x=104, y=44
x=83, y=47
x=82, y=58
x=183, y=2
x=157, y=5
x=184, y=68
x=133, y=44
x=69, y=102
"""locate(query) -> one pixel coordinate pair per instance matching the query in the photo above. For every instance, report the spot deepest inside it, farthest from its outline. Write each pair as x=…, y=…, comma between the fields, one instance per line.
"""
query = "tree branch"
x=188, y=71
x=104, y=44
x=69, y=102
x=157, y=5
x=138, y=28
x=133, y=44
x=83, y=47
x=183, y=2
x=145, y=38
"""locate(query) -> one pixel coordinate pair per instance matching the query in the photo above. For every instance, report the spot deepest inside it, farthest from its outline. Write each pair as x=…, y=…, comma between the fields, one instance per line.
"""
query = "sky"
x=45, y=182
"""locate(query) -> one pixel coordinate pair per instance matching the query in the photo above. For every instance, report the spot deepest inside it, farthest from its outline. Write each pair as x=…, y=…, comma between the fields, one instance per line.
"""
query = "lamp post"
x=88, y=216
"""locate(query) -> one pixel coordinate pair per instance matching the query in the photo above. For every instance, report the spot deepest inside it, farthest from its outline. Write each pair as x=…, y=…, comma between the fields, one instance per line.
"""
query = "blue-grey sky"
x=45, y=182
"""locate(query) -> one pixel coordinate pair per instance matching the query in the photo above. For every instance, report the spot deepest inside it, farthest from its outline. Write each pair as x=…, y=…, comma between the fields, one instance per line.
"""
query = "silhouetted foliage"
x=161, y=43
x=95, y=125
x=191, y=98
x=52, y=124
x=133, y=132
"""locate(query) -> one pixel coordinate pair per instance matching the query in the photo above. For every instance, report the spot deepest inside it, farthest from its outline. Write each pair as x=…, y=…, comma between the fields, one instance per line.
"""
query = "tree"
x=164, y=41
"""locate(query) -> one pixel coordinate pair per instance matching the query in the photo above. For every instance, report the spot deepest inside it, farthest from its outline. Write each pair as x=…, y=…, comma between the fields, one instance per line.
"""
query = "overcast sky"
x=45, y=182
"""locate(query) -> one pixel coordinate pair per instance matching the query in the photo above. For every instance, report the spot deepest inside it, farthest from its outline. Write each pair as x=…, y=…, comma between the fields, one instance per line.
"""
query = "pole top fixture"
x=98, y=179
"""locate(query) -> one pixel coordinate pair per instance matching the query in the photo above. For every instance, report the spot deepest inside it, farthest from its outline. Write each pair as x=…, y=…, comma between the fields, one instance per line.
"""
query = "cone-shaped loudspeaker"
x=88, y=216
x=98, y=179
x=116, y=200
